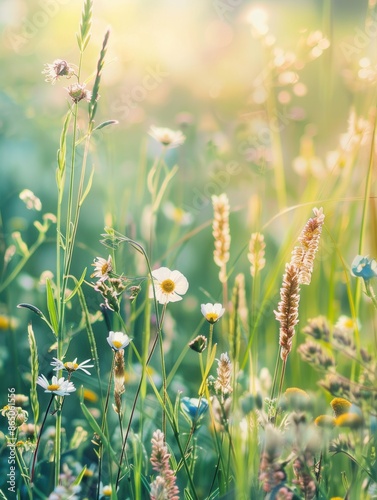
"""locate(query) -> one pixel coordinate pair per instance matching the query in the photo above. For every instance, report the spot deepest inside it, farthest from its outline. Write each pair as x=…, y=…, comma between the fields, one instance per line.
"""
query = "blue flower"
x=364, y=267
x=194, y=407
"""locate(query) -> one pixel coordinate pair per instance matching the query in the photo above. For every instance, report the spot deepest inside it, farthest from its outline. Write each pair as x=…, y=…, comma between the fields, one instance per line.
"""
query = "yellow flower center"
x=117, y=344
x=70, y=366
x=212, y=317
x=53, y=387
x=168, y=286
x=105, y=268
x=107, y=491
x=178, y=214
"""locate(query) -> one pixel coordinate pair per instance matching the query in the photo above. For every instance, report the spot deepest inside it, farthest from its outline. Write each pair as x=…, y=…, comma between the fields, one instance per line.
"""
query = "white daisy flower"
x=177, y=214
x=102, y=268
x=212, y=312
x=118, y=340
x=167, y=137
x=169, y=285
x=71, y=366
x=60, y=387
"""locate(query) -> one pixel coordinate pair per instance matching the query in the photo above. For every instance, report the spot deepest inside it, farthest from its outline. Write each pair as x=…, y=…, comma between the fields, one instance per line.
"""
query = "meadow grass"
x=265, y=390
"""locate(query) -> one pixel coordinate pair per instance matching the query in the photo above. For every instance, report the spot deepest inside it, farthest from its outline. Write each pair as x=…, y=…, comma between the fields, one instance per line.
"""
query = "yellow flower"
x=340, y=406
x=325, y=421
x=351, y=420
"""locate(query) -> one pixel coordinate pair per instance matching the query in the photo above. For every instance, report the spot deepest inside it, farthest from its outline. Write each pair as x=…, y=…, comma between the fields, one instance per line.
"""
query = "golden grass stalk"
x=303, y=254
x=221, y=233
x=224, y=374
x=256, y=253
x=287, y=313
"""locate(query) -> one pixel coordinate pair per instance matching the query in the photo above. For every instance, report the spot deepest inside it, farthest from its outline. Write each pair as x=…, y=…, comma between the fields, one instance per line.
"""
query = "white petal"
x=161, y=274
x=181, y=283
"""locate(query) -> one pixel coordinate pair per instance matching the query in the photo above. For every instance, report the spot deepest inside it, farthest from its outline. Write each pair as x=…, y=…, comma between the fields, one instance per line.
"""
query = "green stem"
x=364, y=214
x=39, y=440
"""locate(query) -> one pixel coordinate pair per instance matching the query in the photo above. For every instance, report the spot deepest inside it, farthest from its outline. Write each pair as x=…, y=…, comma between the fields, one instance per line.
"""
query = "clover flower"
x=60, y=387
x=57, y=69
x=168, y=285
x=71, y=366
x=212, y=312
x=167, y=137
x=118, y=340
x=364, y=267
x=102, y=268
x=78, y=92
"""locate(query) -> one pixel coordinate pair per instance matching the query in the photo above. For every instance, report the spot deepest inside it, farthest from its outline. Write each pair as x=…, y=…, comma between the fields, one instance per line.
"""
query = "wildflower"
x=60, y=387
x=212, y=312
x=177, y=214
x=340, y=406
x=316, y=355
x=303, y=254
x=256, y=253
x=364, y=267
x=105, y=491
x=168, y=285
x=221, y=233
x=118, y=340
x=7, y=322
x=224, y=372
x=325, y=421
x=318, y=328
x=118, y=380
x=194, y=407
x=102, y=268
x=167, y=137
x=15, y=414
x=287, y=313
x=271, y=472
x=57, y=69
x=21, y=400
x=164, y=485
x=351, y=420
x=304, y=479
x=78, y=92
x=71, y=366
x=90, y=395
x=31, y=201
x=199, y=344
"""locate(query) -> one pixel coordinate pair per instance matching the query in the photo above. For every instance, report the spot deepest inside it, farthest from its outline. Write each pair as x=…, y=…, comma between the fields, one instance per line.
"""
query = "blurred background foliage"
x=189, y=65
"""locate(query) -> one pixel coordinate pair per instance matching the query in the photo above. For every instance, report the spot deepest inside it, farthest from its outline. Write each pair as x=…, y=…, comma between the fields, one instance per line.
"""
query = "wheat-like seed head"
x=287, y=313
x=221, y=233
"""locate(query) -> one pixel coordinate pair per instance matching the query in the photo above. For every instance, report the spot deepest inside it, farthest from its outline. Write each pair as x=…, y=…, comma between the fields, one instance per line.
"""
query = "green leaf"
x=106, y=124
x=78, y=479
x=34, y=373
x=51, y=306
x=88, y=187
x=77, y=286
